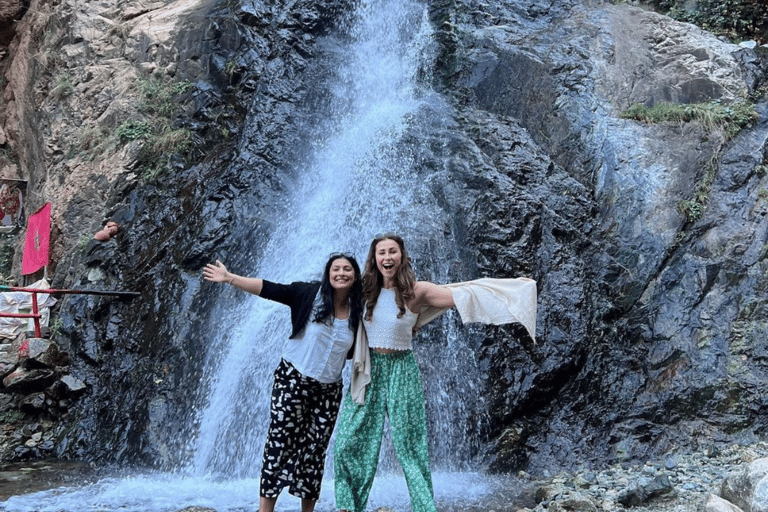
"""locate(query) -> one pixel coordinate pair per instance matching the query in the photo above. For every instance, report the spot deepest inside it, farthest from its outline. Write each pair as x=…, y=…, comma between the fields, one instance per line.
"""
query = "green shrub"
x=713, y=115
x=134, y=129
x=737, y=19
x=159, y=104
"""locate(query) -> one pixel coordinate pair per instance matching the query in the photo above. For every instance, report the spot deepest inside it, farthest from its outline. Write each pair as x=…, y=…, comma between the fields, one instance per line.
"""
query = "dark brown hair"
x=405, y=279
x=324, y=310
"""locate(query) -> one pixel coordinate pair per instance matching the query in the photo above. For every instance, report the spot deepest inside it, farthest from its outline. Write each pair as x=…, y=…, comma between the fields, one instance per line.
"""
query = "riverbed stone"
x=740, y=485
x=715, y=503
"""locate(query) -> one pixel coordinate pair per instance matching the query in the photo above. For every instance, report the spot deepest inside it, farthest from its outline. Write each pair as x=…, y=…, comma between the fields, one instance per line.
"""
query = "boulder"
x=42, y=352
x=26, y=381
x=715, y=503
x=33, y=403
x=739, y=486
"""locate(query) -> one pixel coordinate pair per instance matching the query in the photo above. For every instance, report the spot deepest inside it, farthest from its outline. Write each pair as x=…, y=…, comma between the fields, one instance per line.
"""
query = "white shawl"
x=488, y=301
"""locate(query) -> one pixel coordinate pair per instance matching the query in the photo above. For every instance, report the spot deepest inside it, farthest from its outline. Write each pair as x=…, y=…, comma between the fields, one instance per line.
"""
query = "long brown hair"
x=405, y=279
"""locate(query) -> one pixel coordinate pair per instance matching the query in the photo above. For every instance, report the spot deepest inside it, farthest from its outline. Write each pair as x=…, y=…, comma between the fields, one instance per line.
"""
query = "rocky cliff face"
x=651, y=324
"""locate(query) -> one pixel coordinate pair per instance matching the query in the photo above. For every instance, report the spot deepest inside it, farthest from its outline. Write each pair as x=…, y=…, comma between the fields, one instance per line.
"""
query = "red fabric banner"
x=36, y=244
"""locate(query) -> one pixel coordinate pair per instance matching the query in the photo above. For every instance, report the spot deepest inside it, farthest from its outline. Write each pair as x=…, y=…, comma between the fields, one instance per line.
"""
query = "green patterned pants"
x=396, y=391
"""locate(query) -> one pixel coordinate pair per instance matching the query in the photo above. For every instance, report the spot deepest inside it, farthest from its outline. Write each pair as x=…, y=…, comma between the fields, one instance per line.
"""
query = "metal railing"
x=35, y=314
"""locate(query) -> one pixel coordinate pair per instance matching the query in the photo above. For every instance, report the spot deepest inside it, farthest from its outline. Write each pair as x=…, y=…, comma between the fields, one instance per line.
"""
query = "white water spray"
x=359, y=180
x=357, y=183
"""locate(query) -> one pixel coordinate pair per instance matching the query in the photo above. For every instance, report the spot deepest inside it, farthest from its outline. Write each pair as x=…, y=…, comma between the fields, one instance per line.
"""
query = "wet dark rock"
x=73, y=385
x=25, y=381
x=33, y=403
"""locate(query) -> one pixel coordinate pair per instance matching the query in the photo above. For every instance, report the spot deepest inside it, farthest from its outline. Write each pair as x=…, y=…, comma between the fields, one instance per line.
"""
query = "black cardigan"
x=299, y=296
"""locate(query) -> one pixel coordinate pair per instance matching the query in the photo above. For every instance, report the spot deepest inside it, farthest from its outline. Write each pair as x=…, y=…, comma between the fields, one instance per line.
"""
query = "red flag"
x=36, y=244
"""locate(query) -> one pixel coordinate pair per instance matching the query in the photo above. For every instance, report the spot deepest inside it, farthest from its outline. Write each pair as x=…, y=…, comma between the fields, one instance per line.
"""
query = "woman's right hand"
x=217, y=273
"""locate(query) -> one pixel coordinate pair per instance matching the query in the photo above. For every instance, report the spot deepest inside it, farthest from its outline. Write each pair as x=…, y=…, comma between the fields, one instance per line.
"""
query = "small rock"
x=642, y=494
x=670, y=462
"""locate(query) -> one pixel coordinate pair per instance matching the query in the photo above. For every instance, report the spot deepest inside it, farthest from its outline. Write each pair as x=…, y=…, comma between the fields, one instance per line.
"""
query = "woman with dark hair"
x=307, y=386
x=386, y=381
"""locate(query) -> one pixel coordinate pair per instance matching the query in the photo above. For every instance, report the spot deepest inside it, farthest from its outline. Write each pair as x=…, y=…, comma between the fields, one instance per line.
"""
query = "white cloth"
x=21, y=302
x=487, y=300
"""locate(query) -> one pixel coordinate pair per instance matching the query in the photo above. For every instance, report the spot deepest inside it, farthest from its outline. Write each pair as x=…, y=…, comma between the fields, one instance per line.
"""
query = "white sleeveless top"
x=385, y=330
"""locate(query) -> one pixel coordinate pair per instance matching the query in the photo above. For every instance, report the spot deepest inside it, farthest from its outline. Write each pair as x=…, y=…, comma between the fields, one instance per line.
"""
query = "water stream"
x=362, y=177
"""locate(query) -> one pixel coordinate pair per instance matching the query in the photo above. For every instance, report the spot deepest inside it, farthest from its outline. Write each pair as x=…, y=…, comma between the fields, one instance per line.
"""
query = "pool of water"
x=77, y=487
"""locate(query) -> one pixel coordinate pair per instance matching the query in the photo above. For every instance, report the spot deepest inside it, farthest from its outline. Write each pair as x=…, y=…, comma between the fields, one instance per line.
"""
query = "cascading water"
x=358, y=180
x=361, y=178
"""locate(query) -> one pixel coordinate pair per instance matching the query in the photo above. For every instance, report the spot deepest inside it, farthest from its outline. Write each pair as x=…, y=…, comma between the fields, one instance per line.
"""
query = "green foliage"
x=157, y=151
x=82, y=240
x=692, y=209
x=159, y=103
x=134, y=129
x=63, y=86
x=714, y=115
x=177, y=141
x=230, y=68
x=7, y=252
x=160, y=97
x=55, y=329
x=737, y=19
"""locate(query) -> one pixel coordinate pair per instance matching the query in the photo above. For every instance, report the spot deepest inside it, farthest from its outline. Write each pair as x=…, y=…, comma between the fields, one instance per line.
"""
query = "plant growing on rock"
x=714, y=116
x=157, y=128
x=730, y=118
x=63, y=86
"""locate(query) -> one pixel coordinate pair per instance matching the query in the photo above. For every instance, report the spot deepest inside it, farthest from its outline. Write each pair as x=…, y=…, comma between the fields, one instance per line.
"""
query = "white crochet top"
x=385, y=329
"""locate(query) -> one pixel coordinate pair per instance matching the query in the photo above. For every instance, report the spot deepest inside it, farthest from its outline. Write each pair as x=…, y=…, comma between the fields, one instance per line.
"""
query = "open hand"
x=217, y=273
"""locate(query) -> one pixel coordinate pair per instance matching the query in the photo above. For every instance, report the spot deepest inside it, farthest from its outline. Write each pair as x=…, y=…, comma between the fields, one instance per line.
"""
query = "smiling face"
x=389, y=257
x=341, y=274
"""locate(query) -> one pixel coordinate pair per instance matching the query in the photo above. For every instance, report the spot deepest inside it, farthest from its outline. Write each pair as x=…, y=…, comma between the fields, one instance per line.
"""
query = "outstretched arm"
x=430, y=294
x=218, y=273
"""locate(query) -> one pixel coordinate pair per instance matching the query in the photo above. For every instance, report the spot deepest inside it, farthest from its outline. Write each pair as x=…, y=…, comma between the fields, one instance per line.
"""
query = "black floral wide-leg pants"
x=303, y=413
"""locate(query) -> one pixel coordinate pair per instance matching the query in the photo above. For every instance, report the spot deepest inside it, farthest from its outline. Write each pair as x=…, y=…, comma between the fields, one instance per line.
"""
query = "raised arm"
x=218, y=273
x=430, y=294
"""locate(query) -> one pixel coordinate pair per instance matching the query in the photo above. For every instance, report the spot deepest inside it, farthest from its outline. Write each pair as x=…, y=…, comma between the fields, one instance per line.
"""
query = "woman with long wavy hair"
x=386, y=380
x=392, y=298
x=307, y=387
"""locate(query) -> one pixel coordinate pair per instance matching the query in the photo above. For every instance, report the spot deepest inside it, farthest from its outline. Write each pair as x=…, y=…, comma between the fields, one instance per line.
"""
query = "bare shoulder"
x=423, y=288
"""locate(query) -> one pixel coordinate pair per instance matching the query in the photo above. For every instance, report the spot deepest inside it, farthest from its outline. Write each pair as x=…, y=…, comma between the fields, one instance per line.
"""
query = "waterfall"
x=360, y=180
